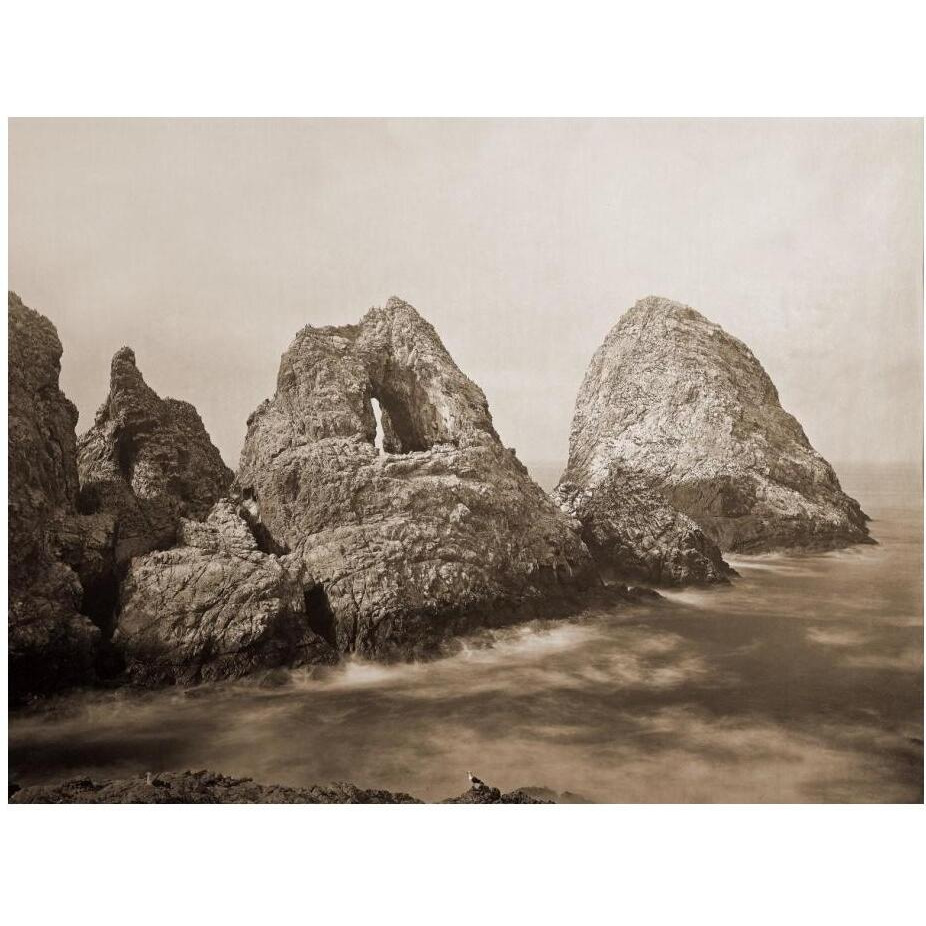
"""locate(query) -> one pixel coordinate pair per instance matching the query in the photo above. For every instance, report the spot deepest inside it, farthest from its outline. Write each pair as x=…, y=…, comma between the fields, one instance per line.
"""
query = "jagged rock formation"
x=215, y=607
x=50, y=643
x=147, y=461
x=204, y=787
x=442, y=531
x=684, y=408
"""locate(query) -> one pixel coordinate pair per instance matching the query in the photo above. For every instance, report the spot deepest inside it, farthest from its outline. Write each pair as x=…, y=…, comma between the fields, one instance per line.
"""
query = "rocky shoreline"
x=205, y=787
x=138, y=557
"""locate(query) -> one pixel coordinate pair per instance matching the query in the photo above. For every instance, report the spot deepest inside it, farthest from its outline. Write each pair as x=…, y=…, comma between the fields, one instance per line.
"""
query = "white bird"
x=148, y=778
x=477, y=784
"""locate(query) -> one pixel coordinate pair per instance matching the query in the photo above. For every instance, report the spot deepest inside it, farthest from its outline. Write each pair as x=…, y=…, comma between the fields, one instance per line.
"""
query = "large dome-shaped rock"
x=50, y=643
x=442, y=530
x=215, y=607
x=687, y=409
x=148, y=461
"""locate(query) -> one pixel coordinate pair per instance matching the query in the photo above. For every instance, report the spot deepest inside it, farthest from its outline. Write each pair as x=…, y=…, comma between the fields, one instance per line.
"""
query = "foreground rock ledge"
x=673, y=404
x=204, y=787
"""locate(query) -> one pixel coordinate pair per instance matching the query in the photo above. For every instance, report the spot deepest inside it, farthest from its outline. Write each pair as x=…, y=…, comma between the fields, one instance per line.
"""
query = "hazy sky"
x=205, y=245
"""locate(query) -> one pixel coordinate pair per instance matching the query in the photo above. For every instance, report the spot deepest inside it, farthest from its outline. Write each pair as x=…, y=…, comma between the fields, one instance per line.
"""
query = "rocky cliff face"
x=684, y=408
x=215, y=607
x=50, y=642
x=147, y=461
x=441, y=530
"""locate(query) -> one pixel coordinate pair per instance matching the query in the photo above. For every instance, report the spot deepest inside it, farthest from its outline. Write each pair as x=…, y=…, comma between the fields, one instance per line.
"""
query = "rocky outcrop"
x=216, y=607
x=674, y=404
x=201, y=787
x=51, y=643
x=635, y=535
x=442, y=530
x=148, y=462
x=204, y=787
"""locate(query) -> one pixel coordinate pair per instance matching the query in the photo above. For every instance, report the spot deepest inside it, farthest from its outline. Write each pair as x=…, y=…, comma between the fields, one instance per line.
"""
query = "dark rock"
x=443, y=531
x=674, y=404
x=51, y=644
x=200, y=787
x=204, y=787
x=489, y=795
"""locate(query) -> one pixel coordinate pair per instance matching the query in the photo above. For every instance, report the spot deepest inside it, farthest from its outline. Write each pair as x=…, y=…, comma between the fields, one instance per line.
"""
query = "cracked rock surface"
x=215, y=607
x=442, y=531
x=687, y=411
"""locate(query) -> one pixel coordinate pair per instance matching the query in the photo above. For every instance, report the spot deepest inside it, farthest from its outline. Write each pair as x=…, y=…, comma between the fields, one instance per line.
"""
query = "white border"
x=484, y=57
x=639, y=864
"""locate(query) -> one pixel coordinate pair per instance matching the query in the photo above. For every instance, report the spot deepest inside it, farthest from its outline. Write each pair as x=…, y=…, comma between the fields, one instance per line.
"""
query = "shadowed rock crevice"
x=100, y=601
x=319, y=615
x=126, y=449
x=248, y=511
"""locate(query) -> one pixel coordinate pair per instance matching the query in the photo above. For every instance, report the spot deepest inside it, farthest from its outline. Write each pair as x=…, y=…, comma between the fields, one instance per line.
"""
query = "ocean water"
x=802, y=681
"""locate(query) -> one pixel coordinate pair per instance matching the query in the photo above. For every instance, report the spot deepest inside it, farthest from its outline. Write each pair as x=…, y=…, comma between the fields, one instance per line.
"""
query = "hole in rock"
x=407, y=417
x=378, y=415
x=319, y=615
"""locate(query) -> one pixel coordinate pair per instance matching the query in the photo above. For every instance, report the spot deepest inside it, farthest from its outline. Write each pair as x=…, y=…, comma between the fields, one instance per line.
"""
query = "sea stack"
x=442, y=530
x=675, y=405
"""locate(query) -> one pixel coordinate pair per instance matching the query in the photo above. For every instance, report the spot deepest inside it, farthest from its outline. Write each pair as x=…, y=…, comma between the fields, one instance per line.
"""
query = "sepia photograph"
x=464, y=463
x=392, y=460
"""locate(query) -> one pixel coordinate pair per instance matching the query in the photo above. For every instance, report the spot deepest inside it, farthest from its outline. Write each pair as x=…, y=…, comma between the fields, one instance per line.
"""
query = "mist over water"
x=803, y=681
